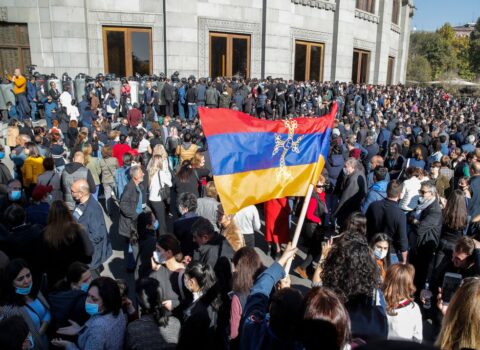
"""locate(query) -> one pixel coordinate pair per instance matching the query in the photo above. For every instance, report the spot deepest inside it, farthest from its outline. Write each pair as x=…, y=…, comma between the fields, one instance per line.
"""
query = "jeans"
x=181, y=110
x=48, y=119
x=192, y=111
x=33, y=109
x=23, y=107
x=173, y=162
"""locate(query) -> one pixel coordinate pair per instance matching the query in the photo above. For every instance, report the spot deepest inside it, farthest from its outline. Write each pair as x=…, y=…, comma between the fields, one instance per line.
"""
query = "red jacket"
x=134, y=117
x=119, y=150
x=312, y=208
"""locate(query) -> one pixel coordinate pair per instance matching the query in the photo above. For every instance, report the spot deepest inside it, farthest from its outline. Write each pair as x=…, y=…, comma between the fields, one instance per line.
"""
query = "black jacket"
x=428, y=231
x=182, y=230
x=386, y=216
x=351, y=190
x=211, y=252
x=128, y=210
x=67, y=305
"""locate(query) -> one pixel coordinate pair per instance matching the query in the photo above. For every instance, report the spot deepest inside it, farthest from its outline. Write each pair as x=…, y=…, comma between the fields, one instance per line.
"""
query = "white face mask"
x=380, y=254
x=159, y=259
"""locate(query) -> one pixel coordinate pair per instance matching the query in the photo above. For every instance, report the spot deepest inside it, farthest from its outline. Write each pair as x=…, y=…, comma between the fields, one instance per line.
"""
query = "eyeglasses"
x=321, y=186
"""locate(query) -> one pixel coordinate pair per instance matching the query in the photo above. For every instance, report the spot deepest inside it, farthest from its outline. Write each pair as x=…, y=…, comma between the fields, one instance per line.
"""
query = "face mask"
x=24, y=291
x=344, y=171
x=15, y=195
x=380, y=254
x=49, y=199
x=32, y=341
x=91, y=309
x=2, y=155
x=155, y=225
x=421, y=200
x=84, y=287
x=157, y=256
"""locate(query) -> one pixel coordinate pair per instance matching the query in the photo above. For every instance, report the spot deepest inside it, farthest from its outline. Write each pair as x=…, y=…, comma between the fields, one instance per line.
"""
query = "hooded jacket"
x=377, y=192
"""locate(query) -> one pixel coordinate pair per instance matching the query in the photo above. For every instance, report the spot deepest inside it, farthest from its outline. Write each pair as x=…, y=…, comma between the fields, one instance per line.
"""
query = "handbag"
x=201, y=187
x=164, y=191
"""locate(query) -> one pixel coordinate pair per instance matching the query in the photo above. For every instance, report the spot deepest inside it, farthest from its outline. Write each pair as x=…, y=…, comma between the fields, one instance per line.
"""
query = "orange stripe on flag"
x=239, y=190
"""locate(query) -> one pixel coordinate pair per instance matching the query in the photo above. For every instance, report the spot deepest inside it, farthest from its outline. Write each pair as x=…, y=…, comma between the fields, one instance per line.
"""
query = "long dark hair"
x=61, y=227
x=248, y=266
x=150, y=298
x=9, y=296
x=455, y=212
x=74, y=274
x=185, y=171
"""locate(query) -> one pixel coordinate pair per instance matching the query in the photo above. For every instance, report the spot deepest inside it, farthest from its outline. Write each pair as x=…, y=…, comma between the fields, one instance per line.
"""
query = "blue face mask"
x=84, y=287
x=155, y=225
x=24, y=291
x=91, y=309
x=32, y=341
x=2, y=155
x=15, y=195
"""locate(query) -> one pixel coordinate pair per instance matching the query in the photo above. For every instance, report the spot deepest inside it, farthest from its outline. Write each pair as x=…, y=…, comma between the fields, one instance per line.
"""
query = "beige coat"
x=12, y=133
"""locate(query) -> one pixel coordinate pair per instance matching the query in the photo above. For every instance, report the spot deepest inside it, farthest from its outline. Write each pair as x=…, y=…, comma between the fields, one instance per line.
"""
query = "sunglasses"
x=423, y=192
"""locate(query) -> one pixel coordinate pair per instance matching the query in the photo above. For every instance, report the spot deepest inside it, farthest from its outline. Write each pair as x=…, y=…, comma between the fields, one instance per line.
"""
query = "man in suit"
x=89, y=213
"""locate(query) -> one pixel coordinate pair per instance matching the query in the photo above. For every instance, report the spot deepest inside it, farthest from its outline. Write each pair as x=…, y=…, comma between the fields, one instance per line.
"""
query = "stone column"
x=342, y=52
x=404, y=42
x=383, y=42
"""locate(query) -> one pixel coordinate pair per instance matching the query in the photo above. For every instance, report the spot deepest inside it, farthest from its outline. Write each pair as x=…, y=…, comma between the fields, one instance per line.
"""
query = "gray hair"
x=134, y=170
x=430, y=185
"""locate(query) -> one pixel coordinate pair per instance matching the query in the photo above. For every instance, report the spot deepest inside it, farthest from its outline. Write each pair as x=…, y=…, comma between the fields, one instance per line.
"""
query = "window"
x=390, y=69
x=14, y=47
x=308, y=61
x=127, y=50
x=229, y=55
x=360, y=66
x=366, y=5
x=396, y=11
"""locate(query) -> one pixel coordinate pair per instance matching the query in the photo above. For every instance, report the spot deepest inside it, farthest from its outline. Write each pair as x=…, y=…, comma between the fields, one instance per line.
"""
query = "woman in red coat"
x=311, y=236
x=277, y=213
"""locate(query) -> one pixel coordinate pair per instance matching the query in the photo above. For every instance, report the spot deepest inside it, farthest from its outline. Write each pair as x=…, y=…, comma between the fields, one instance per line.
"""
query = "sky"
x=432, y=14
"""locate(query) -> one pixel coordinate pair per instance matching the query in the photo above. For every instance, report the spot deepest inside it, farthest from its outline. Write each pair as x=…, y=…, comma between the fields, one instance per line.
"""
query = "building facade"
x=344, y=40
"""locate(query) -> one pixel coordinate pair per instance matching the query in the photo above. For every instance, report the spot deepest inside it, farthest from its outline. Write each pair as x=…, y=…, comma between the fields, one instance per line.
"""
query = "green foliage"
x=419, y=69
x=446, y=53
x=474, y=49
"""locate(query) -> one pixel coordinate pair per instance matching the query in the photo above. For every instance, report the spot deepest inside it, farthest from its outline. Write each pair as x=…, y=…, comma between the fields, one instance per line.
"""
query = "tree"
x=419, y=69
x=475, y=48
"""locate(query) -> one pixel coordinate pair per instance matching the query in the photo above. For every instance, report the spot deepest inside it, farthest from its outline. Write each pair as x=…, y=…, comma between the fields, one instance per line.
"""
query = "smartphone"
x=451, y=282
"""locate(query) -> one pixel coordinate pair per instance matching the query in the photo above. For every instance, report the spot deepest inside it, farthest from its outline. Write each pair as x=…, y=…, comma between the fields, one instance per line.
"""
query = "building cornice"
x=367, y=16
x=320, y=4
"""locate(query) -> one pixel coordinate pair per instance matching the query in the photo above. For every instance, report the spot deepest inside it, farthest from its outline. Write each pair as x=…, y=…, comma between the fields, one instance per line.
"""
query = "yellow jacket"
x=32, y=167
x=19, y=84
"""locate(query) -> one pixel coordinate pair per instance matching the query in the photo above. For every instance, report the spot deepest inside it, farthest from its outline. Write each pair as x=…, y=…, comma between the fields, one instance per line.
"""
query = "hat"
x=40, y=191
x=336, y=132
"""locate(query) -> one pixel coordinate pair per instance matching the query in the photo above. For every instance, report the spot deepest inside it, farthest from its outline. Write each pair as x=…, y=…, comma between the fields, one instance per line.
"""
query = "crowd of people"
x=391, y=233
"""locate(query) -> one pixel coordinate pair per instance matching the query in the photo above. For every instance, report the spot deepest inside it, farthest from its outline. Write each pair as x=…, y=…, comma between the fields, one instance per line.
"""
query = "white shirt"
x=248, y=220
x=166, y=179
x=409, y=196
x=73, y=112
x=407, y=324
x=143, y=146
x=66, y=99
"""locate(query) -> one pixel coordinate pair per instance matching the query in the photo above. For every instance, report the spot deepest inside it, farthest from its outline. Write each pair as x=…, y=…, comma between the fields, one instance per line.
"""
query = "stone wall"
x=66, y=35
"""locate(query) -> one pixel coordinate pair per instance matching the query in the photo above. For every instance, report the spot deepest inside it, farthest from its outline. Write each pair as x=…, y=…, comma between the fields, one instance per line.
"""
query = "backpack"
x=122, y=177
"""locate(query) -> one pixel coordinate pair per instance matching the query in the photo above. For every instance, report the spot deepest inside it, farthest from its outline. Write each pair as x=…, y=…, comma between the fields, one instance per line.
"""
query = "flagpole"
x=300, y=222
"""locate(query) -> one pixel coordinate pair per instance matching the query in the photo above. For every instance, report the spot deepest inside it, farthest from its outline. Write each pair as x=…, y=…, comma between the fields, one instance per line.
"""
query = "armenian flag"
x=255, y=160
